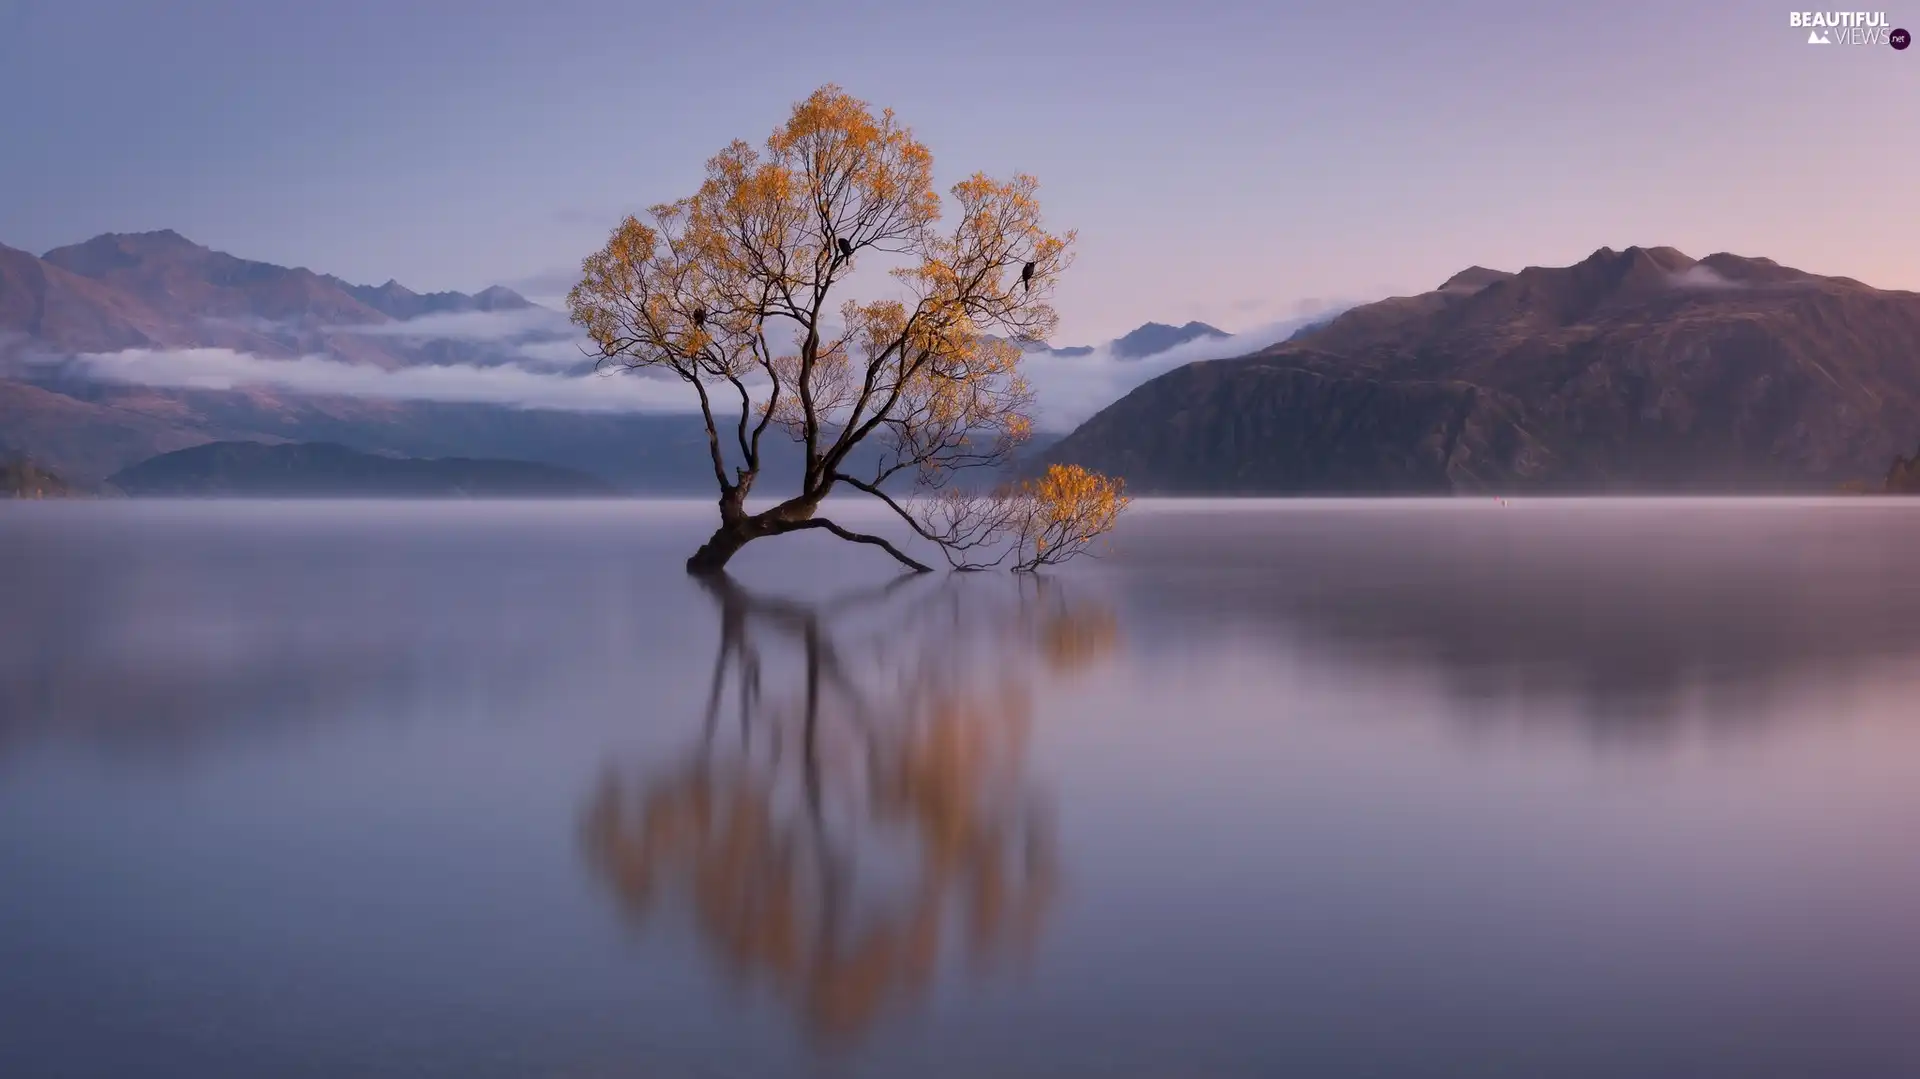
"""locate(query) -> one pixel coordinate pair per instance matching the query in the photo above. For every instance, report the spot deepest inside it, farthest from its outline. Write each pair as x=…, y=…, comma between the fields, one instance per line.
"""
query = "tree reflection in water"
x=847, y=833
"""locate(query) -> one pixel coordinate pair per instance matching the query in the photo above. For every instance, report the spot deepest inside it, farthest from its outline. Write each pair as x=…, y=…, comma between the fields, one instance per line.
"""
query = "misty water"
x=1555, y=788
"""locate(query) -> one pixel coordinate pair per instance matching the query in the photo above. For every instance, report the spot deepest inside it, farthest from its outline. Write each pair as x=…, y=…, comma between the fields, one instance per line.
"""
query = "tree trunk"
x=737, y=530
x=726, y=541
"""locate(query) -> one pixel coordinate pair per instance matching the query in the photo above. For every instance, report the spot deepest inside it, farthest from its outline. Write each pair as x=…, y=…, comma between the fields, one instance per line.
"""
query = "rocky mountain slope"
x=136, y=299
x=160, y=290
x=157, y=292
x=1641, y=369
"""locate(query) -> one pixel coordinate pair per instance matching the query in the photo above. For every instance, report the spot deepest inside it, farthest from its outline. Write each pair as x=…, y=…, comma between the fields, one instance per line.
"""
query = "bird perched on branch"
x=700, y=317
x=846, y=248
x=1026, y=277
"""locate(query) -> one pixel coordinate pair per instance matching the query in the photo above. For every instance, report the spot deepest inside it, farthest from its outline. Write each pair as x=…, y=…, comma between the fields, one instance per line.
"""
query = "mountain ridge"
x=328, y=469
x=1147, y=339
x=159, y=291
x=1636, y=369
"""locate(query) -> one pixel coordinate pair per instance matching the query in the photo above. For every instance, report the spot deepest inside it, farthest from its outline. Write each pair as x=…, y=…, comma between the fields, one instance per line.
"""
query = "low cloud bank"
x=1070, y=389
x=1702, y=276
x=513, y=324
x=225, y=369
x=530, y=336
x=543, y=370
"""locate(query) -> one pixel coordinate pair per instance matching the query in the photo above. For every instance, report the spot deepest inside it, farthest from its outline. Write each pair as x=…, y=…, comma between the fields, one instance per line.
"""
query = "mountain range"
x=1149, y=339
x=134, y=297
x=158, y=290
x=1638, y=369
x=85, y=328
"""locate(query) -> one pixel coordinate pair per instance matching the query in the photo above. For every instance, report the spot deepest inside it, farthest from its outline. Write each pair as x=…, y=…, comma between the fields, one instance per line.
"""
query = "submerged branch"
x=861, y=537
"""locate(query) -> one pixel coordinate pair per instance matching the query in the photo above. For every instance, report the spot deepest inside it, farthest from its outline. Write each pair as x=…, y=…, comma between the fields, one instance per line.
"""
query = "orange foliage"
x=733, y=289
x=917, y=762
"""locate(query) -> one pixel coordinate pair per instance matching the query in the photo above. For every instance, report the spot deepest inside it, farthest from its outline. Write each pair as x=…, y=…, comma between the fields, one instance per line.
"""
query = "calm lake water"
x=1559, y=788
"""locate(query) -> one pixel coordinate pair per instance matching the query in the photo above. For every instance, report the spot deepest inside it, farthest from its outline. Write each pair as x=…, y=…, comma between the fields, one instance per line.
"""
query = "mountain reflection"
x=855, y=810
x=1629, y=616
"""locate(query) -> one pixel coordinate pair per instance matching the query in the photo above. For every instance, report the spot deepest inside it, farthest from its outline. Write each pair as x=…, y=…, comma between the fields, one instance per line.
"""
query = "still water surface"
x=1577, y=788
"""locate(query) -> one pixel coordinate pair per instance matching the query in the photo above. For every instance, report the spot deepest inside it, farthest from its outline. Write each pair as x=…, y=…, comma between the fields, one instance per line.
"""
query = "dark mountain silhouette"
x=1157, y=337
x=160, y=291
x=1638, y=369
x=1064, y=350
x=1147, y=340
x=397, y=301
x=1473, y=279
x=85, y=440
x=311, y=469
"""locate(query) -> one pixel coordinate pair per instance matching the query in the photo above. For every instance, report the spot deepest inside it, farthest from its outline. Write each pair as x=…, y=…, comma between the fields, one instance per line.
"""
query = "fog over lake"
x=1569, y=788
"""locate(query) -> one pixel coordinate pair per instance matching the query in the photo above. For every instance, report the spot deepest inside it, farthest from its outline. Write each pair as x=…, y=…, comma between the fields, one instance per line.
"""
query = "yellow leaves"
x=877, y=324
x=828, y=113
x=1063, y=512
x=624, y=269
x=1036, y=522
x=704, y=285
x=982, y=268
x=865, y=175
x=1072, y=491
x=1020, y=427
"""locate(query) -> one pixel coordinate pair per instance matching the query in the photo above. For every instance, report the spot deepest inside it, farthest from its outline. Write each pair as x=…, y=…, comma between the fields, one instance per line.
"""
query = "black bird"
x=1026, y=277
x=700, y=316
x=846, y=249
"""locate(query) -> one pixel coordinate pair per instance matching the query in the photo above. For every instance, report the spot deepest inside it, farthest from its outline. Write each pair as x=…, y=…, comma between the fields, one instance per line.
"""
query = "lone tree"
x=732, y=290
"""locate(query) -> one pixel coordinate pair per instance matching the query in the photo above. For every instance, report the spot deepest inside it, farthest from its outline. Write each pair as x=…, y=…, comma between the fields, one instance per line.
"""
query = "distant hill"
x=1149, y=339
x=322, y=469
x=1641, y=369
x=162, y=292
x=22, y=477
x=398, y=301
x=184, y=285
x=1157, y=337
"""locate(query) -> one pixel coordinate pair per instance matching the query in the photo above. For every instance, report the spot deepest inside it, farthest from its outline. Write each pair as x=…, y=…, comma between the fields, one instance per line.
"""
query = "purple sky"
x=1222, y=161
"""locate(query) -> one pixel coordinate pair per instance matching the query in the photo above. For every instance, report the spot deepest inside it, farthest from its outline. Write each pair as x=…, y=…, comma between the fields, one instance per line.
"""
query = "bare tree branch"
x=861, y=537
x=931, y=380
